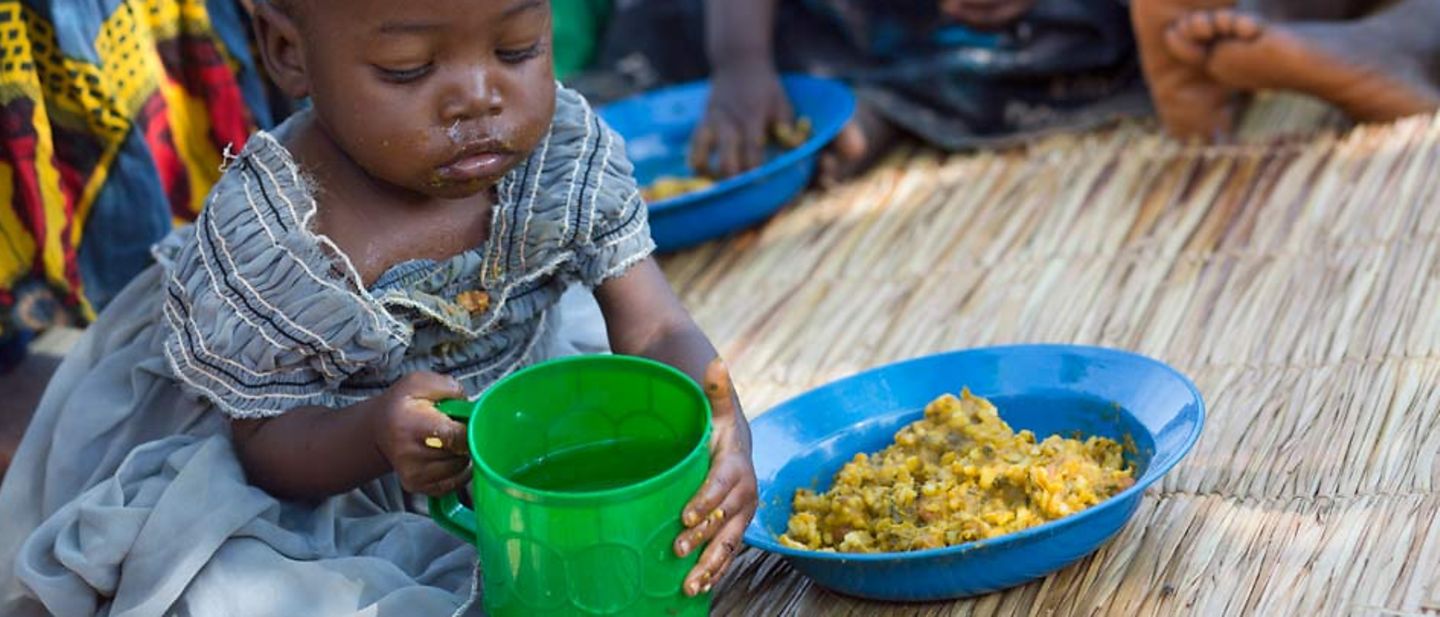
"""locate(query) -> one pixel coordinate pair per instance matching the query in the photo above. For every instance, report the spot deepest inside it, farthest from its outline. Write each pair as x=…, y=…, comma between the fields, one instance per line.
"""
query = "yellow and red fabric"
x=114, y=119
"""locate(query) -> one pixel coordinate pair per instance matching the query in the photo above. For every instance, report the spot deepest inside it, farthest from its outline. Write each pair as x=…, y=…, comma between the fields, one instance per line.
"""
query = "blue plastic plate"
x=1048, y=389
x=657, y=127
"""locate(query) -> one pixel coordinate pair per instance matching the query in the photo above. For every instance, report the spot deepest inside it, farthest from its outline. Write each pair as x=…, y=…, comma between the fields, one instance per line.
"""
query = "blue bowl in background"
x=1047, y=389
x=657, y=126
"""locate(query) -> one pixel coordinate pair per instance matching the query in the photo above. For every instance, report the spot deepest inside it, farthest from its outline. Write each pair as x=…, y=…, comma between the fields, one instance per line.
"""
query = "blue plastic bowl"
x=1045, y=388
x=657, y=127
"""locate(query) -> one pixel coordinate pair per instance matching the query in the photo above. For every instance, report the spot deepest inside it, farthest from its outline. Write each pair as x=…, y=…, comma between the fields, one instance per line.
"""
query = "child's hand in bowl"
x=719, y=513
x=746, y=100
x=426, y=449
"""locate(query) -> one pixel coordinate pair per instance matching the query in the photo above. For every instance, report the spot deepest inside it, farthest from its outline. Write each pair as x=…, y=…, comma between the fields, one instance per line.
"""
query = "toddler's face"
x=441, y=97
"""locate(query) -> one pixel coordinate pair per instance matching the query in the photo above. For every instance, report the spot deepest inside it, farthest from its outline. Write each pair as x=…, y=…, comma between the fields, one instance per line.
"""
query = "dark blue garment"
x=1064, y=65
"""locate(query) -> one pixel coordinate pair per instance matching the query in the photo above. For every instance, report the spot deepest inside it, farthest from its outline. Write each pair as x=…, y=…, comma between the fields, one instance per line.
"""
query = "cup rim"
x=628, y=491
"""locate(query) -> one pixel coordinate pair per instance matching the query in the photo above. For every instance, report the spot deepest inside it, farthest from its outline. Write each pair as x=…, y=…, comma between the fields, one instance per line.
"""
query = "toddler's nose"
x=473, y=95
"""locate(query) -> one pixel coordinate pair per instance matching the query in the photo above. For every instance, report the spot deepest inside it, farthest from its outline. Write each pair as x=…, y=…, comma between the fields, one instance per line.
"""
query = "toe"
x=1230, y=24
x=1247, y=27
x=1183, y=47
x=1200, y=25
x=1224, y=23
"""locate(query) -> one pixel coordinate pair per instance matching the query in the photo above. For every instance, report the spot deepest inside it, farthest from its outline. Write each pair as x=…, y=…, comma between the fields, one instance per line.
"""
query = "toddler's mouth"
x=481, y=160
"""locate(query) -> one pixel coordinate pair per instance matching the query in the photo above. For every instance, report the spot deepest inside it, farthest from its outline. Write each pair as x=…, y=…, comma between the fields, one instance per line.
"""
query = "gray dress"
x=126, y=497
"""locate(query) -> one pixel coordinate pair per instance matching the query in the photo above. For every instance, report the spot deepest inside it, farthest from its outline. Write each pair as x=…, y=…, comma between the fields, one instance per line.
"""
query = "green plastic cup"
x=582, y=468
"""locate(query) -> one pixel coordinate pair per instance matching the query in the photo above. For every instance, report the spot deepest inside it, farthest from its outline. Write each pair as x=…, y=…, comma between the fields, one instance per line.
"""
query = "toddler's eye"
x=406, y=75
x=516, y=56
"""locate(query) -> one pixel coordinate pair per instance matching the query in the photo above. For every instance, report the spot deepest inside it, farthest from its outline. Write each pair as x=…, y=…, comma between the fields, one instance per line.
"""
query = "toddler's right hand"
x=426, y=448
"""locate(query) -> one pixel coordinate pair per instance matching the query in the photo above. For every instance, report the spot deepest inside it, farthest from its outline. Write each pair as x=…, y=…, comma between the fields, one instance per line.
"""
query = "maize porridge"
x=957, y=475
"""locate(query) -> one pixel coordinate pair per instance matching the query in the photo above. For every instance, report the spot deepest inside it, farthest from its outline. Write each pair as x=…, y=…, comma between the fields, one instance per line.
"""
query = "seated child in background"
x=244, y=427
x=955, y=73
x=967, y=73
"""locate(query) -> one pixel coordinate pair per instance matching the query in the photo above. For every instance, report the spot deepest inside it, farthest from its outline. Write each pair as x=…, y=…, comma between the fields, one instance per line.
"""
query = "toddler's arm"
x=315, y=452
x=644, y=318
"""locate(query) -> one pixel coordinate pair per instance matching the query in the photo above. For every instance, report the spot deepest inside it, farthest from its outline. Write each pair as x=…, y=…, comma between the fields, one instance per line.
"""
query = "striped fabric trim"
x=266, y=315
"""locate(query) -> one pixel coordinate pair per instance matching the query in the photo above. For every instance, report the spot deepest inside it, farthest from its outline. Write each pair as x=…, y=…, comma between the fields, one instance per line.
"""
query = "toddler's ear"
x=278, y=36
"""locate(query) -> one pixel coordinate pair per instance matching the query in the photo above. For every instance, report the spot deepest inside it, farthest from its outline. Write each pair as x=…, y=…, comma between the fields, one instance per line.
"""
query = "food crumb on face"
x=958, y=475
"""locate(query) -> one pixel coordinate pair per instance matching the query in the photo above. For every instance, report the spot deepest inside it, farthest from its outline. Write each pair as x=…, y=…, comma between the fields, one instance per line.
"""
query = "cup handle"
x=446, y=509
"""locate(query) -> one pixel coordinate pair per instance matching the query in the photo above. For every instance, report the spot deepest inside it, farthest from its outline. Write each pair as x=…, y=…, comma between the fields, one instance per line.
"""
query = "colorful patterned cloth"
x=115, y=116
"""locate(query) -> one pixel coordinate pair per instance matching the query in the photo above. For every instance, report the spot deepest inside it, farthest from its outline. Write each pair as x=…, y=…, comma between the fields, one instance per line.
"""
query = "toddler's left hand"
x=726, y=502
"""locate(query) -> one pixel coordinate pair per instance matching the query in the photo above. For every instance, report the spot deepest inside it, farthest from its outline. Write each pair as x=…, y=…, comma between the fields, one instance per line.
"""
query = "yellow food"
x=666, y=187
x=791, y=136
x=474, y=300
x=788, y=136
x=959, y=474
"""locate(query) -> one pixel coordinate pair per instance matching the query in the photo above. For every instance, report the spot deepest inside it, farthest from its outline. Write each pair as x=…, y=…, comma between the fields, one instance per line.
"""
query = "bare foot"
x=867, y=136
x=1353, y=65
x=1191, y=103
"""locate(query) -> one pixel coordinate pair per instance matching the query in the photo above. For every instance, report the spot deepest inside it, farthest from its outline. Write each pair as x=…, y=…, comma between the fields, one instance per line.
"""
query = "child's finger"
x=450, y=434
x=451, y=483
x=701, y=146
x=716, y=487
x=429, y=386
x=752, y=152
x=716, y=558
x=728, y=143
x=716, y=519
x=434, y=471
x=784, y=112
